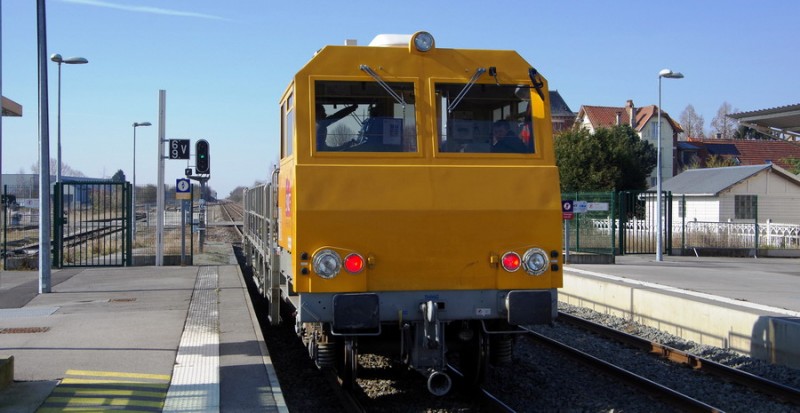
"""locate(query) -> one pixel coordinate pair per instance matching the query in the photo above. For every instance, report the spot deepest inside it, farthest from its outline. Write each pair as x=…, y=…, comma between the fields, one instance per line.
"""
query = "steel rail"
x=778, y=390
x=680, y=400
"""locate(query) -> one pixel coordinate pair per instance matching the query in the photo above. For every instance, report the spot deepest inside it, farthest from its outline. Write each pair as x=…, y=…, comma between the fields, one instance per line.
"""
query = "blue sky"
x=224, y=65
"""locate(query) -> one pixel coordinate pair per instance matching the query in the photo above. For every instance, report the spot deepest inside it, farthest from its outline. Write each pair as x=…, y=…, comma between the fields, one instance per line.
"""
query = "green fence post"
x=127, y=220
x=683, y=223
x=755, y=223
x=669, y=222
x=58, y=225
x=611, y=209
x=5, y=226
x=577, y=225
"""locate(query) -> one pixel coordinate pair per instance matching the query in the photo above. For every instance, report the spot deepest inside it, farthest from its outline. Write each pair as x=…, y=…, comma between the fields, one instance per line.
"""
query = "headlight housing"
x=535, y=261
x=326, y=263
x=423, y=41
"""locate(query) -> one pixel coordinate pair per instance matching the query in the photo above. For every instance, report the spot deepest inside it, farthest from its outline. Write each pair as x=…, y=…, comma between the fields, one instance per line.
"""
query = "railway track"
x=683, y=398
x=680, y=400
x=775, y=389
x=233, y=212
x=74, y=239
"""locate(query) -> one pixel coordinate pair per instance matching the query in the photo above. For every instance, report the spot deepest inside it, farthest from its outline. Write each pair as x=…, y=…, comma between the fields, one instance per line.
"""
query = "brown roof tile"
x=759, y=152
x=606, y=116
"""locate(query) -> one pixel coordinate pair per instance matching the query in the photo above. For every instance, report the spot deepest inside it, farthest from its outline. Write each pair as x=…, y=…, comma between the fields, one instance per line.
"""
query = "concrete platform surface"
x=749, y=305
x=773, y=282
x=110, y=338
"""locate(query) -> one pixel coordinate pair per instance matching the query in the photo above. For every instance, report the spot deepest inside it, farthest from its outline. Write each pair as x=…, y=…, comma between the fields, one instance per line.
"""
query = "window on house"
x=745, y=206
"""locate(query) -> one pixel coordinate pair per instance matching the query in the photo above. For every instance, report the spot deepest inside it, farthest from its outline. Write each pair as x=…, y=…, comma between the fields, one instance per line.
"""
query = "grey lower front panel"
x=515, y=306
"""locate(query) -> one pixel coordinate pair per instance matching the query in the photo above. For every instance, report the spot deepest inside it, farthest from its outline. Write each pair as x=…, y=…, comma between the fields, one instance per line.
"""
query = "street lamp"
x=70, y=61
x=669, y=74
x=133, y=192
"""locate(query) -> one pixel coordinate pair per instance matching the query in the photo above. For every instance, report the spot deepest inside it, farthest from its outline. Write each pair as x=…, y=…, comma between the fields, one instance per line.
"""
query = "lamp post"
x=133, y=192
x=669, y=74
x=70, y=61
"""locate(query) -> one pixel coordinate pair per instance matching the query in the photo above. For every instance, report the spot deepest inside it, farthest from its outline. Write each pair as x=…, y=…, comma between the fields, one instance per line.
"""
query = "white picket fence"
x=699, y=234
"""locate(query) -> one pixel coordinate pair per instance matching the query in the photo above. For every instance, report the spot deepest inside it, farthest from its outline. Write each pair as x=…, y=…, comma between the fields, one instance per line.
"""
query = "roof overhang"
x=784, y=120
x=11, y=108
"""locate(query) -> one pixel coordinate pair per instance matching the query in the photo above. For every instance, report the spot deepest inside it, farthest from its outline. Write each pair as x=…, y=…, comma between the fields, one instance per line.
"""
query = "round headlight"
x=535, y=261
x=326, y=263
x=423, y=41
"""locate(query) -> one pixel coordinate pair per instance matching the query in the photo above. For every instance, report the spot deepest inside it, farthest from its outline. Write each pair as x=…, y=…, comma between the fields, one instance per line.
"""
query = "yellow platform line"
x=93, y=402
x=84, y=392
x=119, y=374
x=99, y=391
x=84, y=410
x=115, y=382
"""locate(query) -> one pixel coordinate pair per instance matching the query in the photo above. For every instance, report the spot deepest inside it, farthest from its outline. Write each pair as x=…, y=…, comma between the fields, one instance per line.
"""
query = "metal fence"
x=19, y=232
x=736, y=235
x=593, y=228
x=178, y=236
x=91, y=224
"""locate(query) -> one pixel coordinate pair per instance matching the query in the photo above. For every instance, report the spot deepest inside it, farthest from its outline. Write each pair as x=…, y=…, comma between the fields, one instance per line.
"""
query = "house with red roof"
x=695, y=152
x=645, y=122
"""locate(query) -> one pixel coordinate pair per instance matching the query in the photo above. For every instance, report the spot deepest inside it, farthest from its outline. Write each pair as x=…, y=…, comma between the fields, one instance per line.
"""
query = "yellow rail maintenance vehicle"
x=417, y=193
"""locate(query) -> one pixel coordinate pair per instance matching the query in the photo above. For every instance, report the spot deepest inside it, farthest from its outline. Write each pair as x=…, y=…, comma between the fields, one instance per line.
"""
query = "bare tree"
x=692, y=123
x=66, y=170
x=723, y=126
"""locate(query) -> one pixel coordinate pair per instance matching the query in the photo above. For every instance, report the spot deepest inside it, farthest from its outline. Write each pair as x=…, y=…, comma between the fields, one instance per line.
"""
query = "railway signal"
x=203, y=161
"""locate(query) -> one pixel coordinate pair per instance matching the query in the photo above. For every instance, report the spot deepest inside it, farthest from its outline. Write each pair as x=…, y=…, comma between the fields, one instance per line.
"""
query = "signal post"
x=203, y=170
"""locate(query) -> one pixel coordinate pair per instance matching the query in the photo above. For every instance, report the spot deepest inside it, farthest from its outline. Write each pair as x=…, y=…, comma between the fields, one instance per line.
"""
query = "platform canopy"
x=783, y=121
x=11, y=108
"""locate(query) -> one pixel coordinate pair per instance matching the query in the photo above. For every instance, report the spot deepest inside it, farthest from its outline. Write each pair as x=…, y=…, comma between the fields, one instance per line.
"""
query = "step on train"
x=416, y=197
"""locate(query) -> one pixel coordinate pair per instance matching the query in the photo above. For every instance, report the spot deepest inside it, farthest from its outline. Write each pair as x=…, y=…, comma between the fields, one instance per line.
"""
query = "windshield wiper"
x=537, y=81
x=466, y=89
x=399, y=99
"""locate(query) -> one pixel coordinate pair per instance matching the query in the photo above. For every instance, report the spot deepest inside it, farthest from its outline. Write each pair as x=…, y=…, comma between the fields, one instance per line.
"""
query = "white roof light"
x=391, y=40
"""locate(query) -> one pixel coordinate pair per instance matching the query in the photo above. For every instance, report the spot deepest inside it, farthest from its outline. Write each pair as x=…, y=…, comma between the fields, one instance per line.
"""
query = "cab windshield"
x=484, y=118
x=362, y=117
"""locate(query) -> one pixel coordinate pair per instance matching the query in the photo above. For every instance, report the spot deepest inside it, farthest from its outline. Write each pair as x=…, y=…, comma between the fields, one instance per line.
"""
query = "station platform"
x=750, y=305
x=145, y=339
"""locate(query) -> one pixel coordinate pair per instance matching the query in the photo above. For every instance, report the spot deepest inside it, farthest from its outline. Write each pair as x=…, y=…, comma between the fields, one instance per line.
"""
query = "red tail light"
x=511, y=261
x=353, y=263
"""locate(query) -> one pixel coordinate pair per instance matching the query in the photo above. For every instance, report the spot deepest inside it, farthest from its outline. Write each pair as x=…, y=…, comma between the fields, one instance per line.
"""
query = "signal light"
x=354, y=263
x=201, y=150
x=511, y=261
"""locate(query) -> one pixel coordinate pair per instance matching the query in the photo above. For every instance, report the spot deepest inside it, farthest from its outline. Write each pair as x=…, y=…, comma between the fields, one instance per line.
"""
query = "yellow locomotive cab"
x=417, y=184
x=426, y=200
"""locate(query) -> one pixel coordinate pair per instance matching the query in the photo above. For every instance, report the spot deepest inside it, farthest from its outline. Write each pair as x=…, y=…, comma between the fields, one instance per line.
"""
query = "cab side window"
x=287, y=127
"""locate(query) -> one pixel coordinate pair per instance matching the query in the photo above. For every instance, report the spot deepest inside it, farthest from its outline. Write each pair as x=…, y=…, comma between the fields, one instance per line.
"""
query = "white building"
x=736, y=194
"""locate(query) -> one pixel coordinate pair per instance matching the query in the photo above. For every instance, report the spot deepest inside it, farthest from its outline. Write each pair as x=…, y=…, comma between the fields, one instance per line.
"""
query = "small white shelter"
x=736, y=194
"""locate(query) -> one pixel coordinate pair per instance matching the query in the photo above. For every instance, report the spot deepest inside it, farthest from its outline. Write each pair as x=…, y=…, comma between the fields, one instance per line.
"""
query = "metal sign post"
x=567, y=214
x=162, y=108
x=183, y=192
x=44, y=155
x=201, y=237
